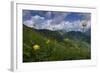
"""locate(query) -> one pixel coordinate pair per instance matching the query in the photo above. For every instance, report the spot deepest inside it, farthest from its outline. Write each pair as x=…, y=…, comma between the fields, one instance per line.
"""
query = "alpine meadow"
x=56, y=36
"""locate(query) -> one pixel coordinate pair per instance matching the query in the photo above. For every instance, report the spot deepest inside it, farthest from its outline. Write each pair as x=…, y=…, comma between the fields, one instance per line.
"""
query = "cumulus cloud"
x=77, y=25
x=29, y=23
x=57, y=22
x=35, y=21
x=38, y=21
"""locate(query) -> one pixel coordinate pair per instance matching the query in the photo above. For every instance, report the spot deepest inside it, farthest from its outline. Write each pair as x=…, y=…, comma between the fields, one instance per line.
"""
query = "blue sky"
x=55, y=20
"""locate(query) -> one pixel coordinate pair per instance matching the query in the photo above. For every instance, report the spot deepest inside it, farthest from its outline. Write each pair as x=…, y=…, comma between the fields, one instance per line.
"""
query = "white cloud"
x=77, y=25
x=37, y=17
x=35, y=21
x=39, y=22
x=29, y=23
x=59, y=26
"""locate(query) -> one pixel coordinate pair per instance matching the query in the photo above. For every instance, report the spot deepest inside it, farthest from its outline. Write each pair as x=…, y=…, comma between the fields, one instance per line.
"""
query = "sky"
x=55, y=20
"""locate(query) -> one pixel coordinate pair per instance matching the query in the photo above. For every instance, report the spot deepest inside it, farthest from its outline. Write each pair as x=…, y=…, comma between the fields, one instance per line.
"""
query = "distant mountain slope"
x=50, y=34
x=60, y=35
x=76, y=35
x=53, y=46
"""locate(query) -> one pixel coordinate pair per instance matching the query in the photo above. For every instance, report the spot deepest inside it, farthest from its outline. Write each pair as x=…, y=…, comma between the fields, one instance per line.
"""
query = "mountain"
x=50, y=34
x=88, y=32
x=60, y=35
x=76, y=35
x=53, y=45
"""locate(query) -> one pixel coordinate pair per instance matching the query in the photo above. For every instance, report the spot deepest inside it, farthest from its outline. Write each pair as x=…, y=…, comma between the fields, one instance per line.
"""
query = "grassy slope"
x=54, y=50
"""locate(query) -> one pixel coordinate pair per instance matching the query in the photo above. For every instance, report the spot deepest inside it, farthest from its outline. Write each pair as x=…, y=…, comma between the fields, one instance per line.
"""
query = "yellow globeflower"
x=48, y=41
x=36, y=47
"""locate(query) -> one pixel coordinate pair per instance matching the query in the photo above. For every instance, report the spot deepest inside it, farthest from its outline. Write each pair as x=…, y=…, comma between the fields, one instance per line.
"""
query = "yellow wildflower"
x=36, y=47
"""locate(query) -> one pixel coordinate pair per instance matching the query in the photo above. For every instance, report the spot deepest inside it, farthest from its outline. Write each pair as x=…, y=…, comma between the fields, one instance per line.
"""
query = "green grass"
x=55, y=50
